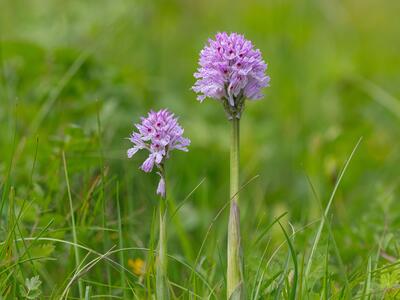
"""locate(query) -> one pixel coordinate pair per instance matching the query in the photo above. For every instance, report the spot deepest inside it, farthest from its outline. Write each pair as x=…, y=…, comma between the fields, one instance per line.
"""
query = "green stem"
x=234, y=163
x=161, y=262
x=121, y=242
x=235, y=282
x=74, y=235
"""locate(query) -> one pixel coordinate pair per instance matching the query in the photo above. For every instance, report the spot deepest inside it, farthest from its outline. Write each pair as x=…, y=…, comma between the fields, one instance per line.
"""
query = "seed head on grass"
x=230, y=70
x=159, y=133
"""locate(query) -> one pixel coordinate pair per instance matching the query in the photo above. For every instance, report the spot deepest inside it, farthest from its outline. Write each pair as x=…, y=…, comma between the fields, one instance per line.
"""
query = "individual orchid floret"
x=230, y=70
x=159, y=133
x=161, y=186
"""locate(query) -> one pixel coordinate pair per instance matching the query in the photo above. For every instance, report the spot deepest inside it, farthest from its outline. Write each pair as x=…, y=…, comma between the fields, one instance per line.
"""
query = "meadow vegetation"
x=320, y=153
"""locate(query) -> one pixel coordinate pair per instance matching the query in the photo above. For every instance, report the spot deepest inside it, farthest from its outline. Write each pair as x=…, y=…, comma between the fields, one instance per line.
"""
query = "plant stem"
x=161, y=262
x=235, y=282
x=74, y=235
x=121, y=242
x=234, y=163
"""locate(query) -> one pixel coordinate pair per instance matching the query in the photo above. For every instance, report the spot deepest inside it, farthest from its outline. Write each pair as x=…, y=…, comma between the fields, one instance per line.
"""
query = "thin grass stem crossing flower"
x=159, y=133
x=231, y=70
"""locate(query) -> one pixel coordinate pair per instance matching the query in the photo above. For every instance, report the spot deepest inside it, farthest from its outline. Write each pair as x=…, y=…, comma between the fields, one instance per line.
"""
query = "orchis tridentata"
x=159, y=133
x=231, y=70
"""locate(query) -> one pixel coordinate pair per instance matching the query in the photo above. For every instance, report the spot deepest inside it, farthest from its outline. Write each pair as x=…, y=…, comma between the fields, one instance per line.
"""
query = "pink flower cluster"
x=159, y=133
x=230, y=69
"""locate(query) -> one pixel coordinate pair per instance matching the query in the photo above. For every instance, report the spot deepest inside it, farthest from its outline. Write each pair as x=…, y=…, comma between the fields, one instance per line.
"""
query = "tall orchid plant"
x=231, y=70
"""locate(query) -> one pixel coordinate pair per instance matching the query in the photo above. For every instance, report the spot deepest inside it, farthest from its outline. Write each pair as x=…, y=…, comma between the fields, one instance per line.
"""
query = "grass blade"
x=325, y=214
x=292, y=295
x=74, y=235
x=121, y=240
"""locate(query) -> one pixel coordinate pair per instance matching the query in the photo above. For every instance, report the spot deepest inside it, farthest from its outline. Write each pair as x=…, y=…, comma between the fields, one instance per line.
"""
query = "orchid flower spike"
x=159, y=133
x=230, y=70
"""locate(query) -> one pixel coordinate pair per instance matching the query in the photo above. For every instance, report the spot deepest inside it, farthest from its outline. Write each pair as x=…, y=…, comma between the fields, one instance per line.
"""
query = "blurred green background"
x=334, y=68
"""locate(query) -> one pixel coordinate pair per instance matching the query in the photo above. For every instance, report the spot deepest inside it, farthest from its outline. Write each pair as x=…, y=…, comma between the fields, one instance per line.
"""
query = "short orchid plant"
x=159, y=133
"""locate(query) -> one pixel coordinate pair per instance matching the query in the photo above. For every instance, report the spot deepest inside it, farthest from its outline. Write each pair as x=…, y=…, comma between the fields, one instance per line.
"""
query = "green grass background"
x=75, y=77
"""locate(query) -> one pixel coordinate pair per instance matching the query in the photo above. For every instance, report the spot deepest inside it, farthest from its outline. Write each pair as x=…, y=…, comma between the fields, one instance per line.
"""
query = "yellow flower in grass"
x=137, y=266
